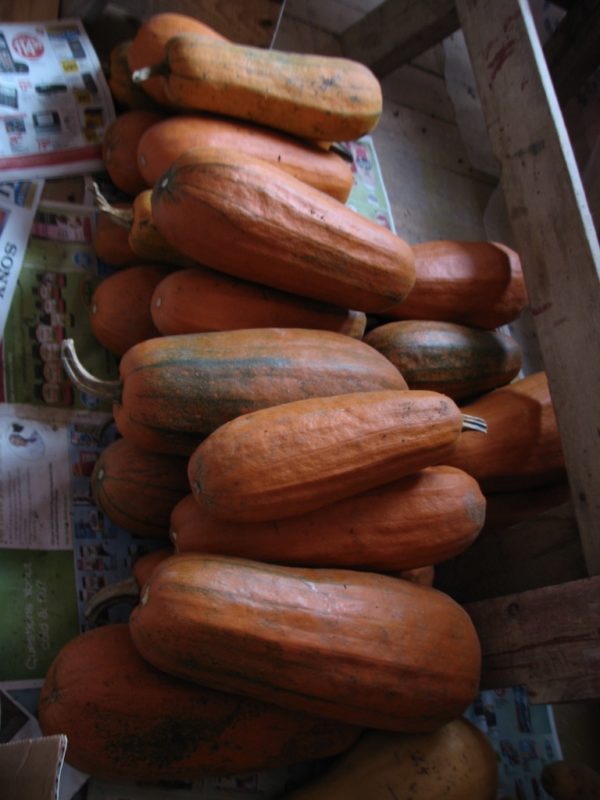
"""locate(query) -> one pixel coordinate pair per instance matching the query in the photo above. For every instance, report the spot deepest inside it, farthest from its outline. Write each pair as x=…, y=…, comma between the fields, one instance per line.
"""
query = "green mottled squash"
x=456, y=360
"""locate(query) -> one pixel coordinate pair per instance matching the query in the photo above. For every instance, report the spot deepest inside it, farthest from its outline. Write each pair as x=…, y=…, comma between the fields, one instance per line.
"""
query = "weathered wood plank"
x=553, y=231
x=542, y=551
x=433, y=191
x=397, y=31
x=572, y=50
x=546, y=639
x=28, y=10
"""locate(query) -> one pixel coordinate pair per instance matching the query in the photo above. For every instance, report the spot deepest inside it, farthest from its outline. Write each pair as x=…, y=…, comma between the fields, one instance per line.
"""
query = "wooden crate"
x=532, y=590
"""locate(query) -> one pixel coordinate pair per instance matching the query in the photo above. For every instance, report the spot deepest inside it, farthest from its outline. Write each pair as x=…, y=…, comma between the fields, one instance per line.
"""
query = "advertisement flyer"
x=18, y=205
x=51, y=302
x=55, y=103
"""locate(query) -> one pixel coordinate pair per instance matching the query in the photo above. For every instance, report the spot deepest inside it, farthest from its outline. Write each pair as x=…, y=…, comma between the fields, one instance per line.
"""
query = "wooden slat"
x=248, y=23
x=572, y=50
x=553, y=231
x=546, y=639
x=541, y=551
x=28, y=10
x=397, y=31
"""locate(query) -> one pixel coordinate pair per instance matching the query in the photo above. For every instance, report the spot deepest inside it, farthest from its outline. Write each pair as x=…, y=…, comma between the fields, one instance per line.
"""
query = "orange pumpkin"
x=243, y=216
x=164, y=142
x=300, y=456
x=200, y=299
x=120, y=314
x=472, y=283
x=119, y=148
x=421, y=519
x=522, y=448
x=126, y=720
x=137, y=489
x=148, y=46
x=362, y=648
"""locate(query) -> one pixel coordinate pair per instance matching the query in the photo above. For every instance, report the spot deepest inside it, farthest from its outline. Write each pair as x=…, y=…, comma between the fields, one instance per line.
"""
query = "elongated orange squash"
x=175, y=390
x=311, y=96
x=127, y=94
x=120, y=313
x=522, y=448
x=359, y=647
x=421, y=519
x=472, y=283
x=200, y=299
x=164, y=142
x=456, y=360
x=144, y=238
x=299, y=456
x=240, y=215
x=125, y=719
x=148, y=46
x=137, y=489
x=111, y=240
x=119, y=148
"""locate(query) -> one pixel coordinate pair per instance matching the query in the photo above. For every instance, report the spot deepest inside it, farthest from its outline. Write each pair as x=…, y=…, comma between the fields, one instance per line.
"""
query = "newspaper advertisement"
x=18, y=204
x=51, y=302
x=55, y=103
x=523, y=736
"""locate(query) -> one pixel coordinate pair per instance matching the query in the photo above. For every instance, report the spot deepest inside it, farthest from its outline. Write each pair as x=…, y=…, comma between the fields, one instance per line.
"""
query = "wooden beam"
x=397, y=31
x=572, y=50
x=553, y=231
x=28, y=10
x=546, y=639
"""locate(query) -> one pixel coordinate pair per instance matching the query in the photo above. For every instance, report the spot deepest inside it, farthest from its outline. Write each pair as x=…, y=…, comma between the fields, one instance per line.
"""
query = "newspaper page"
x=51, y=302
x=55, y=103
x=18, y=203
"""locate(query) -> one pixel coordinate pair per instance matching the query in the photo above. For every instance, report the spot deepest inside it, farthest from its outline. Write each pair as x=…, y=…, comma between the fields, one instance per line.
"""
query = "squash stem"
x=126, y=591
x=142, y=74
x=84, y=380
x=471, y=423
x=122, y=216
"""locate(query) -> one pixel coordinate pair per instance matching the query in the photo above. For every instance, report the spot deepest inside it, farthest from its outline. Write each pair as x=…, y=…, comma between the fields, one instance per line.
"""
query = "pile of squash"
x=303, y=402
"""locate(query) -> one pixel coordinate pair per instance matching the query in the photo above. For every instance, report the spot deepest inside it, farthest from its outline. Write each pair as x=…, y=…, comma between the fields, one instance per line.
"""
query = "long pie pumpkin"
x=415, y=521
x=243, y=216
x=300, y=456
x=366, y=649
x=311, y=96
x=125, y=719
x=164, y=142
x=175, y=390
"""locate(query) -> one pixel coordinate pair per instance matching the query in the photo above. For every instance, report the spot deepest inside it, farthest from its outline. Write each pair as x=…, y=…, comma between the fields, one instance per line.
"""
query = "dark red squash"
x=124, y=719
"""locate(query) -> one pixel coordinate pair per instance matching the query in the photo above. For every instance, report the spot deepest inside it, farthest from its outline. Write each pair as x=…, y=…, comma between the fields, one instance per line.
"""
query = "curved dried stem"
x=84, y=380
x=471, y=423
